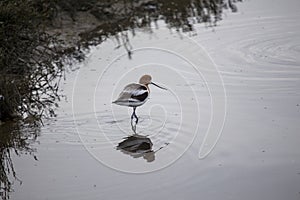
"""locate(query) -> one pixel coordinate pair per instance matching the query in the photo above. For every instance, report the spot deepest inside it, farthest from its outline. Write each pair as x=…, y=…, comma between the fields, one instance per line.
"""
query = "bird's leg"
x=133, y=115
x=133, y=126
x=136, y=118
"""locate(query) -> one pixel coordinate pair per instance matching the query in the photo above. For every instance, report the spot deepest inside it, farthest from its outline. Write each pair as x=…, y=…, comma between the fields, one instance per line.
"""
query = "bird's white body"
x=133, y=95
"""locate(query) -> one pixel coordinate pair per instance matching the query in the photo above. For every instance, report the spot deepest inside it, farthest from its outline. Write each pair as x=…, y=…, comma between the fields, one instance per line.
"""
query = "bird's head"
x=147, y=79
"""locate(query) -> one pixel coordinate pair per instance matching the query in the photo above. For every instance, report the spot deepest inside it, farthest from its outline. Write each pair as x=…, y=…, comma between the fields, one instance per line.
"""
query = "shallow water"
x=257, y=156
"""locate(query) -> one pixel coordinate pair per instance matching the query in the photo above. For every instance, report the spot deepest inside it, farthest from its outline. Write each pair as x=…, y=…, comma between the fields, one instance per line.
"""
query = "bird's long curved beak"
x=159, y=86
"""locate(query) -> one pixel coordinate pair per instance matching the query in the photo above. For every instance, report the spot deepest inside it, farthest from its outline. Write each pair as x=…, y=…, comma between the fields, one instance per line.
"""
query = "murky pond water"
x=81, y=152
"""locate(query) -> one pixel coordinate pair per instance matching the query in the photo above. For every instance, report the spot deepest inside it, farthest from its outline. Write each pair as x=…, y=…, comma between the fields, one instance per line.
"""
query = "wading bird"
x=136, y=94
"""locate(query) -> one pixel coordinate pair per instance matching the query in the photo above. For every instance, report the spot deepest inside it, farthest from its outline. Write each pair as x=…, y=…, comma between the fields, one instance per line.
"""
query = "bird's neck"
x=147, y=86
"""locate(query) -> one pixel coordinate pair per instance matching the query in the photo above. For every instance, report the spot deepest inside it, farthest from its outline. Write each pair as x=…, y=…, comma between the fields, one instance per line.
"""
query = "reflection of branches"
x=123, y=40
x=6, y=168
x=18, y=140
x=110, y=18
x=31, y=62
x=116, y=17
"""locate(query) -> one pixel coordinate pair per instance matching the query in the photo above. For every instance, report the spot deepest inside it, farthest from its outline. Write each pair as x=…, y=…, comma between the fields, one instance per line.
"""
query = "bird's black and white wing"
x=133, y=95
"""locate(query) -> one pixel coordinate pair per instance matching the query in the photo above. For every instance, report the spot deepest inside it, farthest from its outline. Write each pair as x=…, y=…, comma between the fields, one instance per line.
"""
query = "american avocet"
x=136, y=94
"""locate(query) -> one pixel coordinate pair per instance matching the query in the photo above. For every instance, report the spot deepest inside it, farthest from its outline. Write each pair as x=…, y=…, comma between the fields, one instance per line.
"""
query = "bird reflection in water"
x=137, y=146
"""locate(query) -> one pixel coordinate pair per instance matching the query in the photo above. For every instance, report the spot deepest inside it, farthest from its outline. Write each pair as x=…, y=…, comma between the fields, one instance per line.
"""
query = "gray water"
x=257, y=155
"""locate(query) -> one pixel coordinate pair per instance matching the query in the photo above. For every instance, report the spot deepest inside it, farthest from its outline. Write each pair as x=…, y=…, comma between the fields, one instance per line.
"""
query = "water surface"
x=257, y=156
